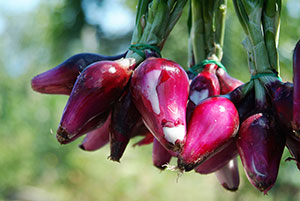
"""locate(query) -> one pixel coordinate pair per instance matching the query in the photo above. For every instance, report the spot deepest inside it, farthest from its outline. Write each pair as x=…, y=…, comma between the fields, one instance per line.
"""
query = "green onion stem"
x=154, y=21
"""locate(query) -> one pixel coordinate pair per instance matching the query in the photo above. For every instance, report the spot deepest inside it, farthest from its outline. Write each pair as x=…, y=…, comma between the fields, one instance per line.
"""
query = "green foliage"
x=35, y=167
x=65, y=25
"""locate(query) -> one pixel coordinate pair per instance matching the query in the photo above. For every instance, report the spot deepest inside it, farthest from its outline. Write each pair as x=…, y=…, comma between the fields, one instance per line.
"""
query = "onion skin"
x=204, y=85
x=245, y=103
x=296, y=82
x=246, y=106
x=61, y=79
x=218, y=160
x=227, y=82
x=139, y=128
x=160, y=156
x=124, y=117
x=96, y=123
x=293, y=146
x=97, y=138
x=92, y=97
x=160, y=90
x=212, y=84
x=282, y=100
x=260, y=145
x=228, y=176
x=213, y=123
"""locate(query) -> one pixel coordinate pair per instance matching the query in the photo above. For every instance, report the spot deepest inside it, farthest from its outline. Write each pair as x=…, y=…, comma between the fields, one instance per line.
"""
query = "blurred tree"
x=65, y=25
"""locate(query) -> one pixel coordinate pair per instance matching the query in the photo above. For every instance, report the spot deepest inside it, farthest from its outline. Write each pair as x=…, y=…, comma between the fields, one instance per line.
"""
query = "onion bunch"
x=100, y=102
x=213, y=118
x=203, y=117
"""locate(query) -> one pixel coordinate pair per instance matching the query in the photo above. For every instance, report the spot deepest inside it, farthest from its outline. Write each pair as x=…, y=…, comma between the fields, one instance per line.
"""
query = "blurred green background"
x=37, y=35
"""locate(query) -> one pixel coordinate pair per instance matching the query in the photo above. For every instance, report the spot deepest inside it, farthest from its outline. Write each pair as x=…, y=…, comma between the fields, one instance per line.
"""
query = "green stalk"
x=271, y=31
x=197, y=31
x=164, y=15
x=140, y=20
x=154, y=21
x=158, y=17
x=191, y=57
x=254, y=12
x=207, y=29
x=171, y=3
x=260, y=95
x=220, y=16
x=249, y=49
x=260, y=19
x=208, y=12
x=241, y=14
x=176, y=11
x=256, y=84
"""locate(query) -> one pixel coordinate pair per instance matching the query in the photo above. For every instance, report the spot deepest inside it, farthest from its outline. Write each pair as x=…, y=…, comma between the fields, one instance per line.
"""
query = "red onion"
x=282, y=100
x=204, y=85
x=227, y=82
x=93, y=94
x=213, y=123
x=60, y=79
x=97, y=138
x=160, y=156
x=124, y=118
x=160, y=90
x=293, y=146
x=219, y=160
x=228, y=176
x=260, y=145
x=296, y=82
